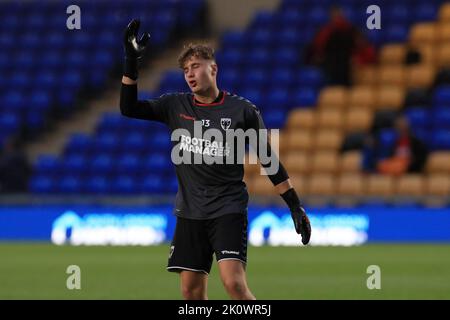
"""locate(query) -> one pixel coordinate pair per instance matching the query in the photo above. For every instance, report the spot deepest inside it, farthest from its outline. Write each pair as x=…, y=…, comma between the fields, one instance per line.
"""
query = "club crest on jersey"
x=225, y=123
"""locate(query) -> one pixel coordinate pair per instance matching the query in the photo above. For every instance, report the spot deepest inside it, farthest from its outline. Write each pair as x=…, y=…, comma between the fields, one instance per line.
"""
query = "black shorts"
x=195, y=242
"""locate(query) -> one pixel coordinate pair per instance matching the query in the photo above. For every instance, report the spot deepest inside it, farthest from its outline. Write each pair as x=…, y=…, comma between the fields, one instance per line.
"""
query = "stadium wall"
x=152, y=225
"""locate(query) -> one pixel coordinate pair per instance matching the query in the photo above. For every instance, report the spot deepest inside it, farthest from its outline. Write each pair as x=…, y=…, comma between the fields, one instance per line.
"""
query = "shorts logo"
x=225, y=123
x=172, y=248
x=229, y=252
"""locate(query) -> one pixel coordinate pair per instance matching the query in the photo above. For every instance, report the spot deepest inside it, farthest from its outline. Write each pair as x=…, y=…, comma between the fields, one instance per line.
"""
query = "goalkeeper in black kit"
x=211, y=203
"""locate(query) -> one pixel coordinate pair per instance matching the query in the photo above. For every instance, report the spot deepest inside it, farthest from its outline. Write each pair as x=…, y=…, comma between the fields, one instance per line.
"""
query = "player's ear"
x=214, y=68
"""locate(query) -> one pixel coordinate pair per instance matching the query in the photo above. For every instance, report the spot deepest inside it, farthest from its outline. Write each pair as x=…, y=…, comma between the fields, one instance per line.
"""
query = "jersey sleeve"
x=152, y=109
x=254, y=120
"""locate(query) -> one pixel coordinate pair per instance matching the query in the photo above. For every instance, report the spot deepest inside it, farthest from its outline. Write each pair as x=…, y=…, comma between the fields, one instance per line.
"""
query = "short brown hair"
x=203, y=51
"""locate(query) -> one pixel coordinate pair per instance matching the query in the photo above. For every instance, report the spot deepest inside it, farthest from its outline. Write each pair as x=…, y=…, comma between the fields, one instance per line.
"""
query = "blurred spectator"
x=412, y=56
x=408, y=153
x=15, y=169
x=364, y=52
x=333, y=48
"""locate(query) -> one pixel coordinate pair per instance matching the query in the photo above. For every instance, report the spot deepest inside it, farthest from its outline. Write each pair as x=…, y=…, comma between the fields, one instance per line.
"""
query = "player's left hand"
x=134, y=47
x=301, y=223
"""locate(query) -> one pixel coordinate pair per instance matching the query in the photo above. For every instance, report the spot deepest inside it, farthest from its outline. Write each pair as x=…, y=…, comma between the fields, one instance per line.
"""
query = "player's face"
x=200, y=74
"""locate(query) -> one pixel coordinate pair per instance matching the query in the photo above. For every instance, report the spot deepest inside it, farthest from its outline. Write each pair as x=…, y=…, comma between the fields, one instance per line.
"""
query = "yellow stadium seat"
x=443, y=55
x=365, y=75
x=329, y=119
x=444, y=32
x=379, y=185
x=351, y=184
x=301, y=119
x=322, y=185
x=427, y=53
x=390, y=97
x=392, y=54
x=350, y=162
x=438, y=185
x=423, y=33
x=328, y=139
x=438, y=162
x=333, y=97
x=444, y=13
x=362, y=96
x=324, y=162
x=410, y=185
x=420, y=76
x=391, y=75
x=299, y=182
x=299, y=140
x=261, y=185
x=357, y=119
x=297, y=162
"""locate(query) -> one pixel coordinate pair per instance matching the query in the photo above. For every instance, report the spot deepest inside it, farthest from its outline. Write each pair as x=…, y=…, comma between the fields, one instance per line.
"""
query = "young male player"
x=211, y=203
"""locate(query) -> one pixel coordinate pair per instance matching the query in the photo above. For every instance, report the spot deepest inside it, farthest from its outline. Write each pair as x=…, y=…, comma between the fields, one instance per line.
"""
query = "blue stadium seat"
x=101, y=164
x=47, y=165
x=128, y=163
x=171, y=184
x=282, y=77
x=112, y=121
x=277, y=98
x=97, y=184
x=74, y=163
x=78, y=143
x=228, y=79
x=258, y=57
x=41, y=184
x=124, y=184
x=20, y=80
x=252, y=93
x=286, y=57
x=108, y=142
x=386, y=139
x=419, y=118
x=262, y=19
x=274, y=119
x=9, y=122
x=255, y=76
x=425, y=12
x=40, y=100
x=161, y=141
x=440, y=139
x=69, y=184
x=397, y=13
x=154, y=163
x=310, y=76
x=305, y=97
x=396, y=33
x=230, y=57
x=234, y=39
x=441, y=97
x=317, y=16
x=441, y=118
x=287, y=36
x=152, y=184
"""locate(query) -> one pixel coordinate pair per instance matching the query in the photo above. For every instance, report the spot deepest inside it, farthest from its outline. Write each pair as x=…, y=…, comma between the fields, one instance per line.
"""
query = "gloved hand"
x=298, y=214
x=301, y=223
x=134, y=48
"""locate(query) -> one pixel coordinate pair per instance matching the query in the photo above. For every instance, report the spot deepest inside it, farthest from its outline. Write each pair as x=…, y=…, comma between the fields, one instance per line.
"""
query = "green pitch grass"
x=38, y=271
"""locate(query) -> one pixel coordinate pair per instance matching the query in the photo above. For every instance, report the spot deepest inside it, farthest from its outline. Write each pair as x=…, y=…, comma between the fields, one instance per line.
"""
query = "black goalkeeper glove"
x=298, y=214
x=134, y=48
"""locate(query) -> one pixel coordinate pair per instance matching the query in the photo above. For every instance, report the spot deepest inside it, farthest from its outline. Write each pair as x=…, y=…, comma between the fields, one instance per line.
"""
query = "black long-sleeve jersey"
x=205, y=190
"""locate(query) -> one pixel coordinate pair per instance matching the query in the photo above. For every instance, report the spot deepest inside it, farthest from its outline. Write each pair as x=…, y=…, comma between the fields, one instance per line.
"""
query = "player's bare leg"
x=232, y=273
x=193, y=285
